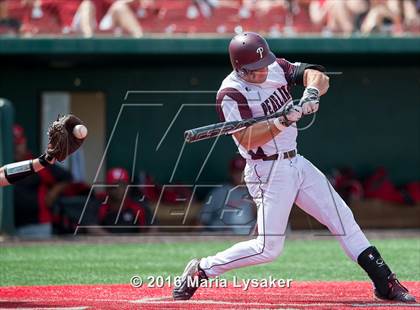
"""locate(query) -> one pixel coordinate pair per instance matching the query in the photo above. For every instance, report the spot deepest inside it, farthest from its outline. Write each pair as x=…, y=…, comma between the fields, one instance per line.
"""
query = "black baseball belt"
x=286, y=155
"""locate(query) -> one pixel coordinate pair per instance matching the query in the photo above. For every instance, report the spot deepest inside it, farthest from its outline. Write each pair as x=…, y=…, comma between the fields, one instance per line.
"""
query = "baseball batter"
x=275, y=174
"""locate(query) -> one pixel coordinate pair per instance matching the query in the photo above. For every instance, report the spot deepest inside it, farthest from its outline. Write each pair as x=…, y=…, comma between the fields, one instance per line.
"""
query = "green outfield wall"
x=369, y=118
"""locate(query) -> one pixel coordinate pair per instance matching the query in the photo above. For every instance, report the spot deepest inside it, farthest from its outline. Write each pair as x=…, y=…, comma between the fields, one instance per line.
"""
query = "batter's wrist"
x=278, y=124
x=314, y=88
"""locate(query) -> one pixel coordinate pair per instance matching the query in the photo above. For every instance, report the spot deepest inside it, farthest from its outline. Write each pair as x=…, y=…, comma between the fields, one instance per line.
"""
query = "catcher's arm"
x=12, y=173
x=61, y=143
x=3, y=181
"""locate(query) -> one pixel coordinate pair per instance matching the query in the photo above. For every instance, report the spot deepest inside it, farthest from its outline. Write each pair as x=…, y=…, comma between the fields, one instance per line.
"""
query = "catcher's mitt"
x=61, y=141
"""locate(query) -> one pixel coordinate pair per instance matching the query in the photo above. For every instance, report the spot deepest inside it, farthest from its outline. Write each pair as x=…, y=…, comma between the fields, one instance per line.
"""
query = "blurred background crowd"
x=276, y=18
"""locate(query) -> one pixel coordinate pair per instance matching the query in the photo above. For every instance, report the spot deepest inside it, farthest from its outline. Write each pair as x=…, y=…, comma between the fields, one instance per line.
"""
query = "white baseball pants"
x=275, y=186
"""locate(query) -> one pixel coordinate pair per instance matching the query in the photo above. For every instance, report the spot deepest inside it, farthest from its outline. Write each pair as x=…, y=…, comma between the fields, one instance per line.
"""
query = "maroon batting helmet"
x=249, y=51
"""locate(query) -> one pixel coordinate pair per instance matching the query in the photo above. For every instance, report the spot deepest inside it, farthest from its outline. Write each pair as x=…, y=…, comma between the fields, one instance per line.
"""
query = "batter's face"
x=257, y=76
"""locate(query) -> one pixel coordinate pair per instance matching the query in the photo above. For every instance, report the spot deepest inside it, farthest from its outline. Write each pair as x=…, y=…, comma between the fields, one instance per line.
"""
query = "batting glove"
x=310, y=100
x=293, y=113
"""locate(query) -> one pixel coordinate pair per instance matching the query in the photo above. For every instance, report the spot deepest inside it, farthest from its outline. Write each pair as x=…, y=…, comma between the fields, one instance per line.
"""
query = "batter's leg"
x=317, y=197
x=273, y=186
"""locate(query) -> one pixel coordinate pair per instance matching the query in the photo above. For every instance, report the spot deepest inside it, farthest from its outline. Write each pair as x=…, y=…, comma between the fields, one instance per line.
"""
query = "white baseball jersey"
x=238, y=99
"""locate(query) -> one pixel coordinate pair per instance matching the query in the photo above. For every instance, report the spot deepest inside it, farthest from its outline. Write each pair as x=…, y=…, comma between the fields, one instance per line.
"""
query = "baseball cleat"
x=190, y=281
x=397, y=292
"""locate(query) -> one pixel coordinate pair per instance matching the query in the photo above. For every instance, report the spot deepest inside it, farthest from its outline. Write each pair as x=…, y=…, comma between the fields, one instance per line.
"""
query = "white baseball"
x=80, y=131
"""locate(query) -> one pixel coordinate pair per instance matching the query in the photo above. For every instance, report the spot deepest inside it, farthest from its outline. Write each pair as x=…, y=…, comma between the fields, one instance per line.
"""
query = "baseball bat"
x=227, y=128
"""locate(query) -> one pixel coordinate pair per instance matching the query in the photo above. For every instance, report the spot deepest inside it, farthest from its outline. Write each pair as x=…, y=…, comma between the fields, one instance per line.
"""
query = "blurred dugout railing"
x=6, y=154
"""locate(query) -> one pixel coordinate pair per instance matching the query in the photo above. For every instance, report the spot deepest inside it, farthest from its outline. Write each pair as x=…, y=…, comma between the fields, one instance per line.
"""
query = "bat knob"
x=187, y=135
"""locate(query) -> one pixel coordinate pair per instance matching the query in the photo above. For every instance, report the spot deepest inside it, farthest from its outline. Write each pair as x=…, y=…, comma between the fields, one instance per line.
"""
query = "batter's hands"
x=317, y=79
x=292, y=113
x=309, y=101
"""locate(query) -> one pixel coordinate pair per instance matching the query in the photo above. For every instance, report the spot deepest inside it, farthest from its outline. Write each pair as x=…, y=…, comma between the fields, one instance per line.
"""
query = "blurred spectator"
x=120, y=15
x=390, y=16
x=77, y=211
x=273, y=17
x=82, y=20
x=412, y=190
x=263, y=7
x=206, y=7
x=411, y=16
x=380, y=186
x=35, y=196
x=337, y=16
x=5, y=20
x=83, y=16
x=117, y=208
x=347, y=185
x=145, y=7
x=265, y=16
x=70, y=16
x=230, y=207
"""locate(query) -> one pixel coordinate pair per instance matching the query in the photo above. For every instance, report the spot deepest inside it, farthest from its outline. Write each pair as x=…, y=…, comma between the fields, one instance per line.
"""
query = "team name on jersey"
x=276, y=100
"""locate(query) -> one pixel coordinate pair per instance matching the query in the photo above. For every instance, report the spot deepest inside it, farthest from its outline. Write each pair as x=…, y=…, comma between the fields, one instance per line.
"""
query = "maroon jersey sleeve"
x=290, y=70
x=235, y=98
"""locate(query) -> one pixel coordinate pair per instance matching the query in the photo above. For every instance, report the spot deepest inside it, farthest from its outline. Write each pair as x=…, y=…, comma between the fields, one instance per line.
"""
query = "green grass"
x=116, y=263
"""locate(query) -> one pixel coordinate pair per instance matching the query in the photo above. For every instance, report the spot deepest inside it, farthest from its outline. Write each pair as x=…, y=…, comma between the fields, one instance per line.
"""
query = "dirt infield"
x=301, y=295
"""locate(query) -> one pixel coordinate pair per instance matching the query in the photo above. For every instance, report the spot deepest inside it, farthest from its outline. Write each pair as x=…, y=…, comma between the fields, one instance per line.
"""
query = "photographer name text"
x=244, y=284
